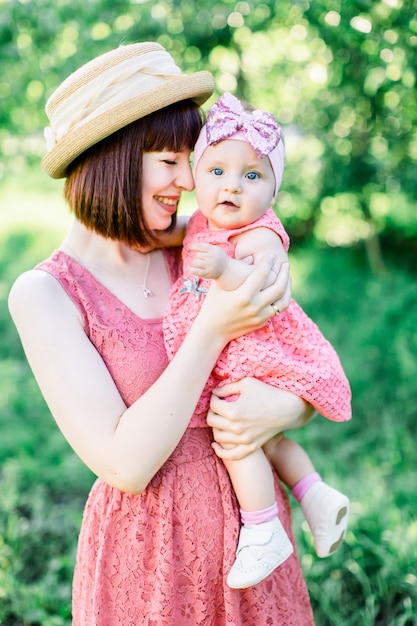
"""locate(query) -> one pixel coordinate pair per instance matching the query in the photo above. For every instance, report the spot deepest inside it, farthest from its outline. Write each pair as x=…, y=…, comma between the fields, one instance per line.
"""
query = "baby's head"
x=227, y=119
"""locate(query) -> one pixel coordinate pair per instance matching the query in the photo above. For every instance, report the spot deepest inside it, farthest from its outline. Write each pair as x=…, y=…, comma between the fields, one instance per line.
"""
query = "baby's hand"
x=209, y=261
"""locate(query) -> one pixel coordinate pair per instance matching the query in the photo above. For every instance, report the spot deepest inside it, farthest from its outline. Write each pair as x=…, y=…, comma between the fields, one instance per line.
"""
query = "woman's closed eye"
x=169, y=157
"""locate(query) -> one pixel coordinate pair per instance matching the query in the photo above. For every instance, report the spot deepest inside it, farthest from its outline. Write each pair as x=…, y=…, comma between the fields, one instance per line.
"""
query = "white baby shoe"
x=261, y=548
x=326, y=511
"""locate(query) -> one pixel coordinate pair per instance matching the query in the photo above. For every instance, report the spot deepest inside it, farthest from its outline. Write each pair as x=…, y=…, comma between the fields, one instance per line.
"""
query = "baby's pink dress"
x=289, y=352
x=160, y=558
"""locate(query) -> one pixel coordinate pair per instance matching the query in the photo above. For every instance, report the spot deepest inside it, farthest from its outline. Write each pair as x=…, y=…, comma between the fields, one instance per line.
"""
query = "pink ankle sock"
x=300, y=489
x=258, y=517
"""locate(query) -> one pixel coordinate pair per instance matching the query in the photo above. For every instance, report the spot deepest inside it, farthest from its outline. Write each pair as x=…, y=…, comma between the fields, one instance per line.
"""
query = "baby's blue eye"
x=252, y=175
x=217, y=171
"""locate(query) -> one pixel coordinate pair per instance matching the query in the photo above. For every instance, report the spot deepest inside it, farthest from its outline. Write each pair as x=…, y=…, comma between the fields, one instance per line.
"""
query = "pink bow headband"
x=227, y=119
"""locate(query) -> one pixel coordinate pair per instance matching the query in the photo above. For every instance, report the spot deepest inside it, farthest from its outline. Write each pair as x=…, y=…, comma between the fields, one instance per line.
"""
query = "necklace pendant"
x=147, y=292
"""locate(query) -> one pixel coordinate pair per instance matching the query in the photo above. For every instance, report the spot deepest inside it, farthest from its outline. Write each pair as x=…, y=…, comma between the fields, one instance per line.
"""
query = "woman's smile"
x=169, y=203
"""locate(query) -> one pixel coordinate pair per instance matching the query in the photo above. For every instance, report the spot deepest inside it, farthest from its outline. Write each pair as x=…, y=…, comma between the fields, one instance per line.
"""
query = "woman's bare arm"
x=126, y=446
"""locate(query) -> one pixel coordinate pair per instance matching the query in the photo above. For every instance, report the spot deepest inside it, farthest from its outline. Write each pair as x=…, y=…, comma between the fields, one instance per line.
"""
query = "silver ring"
x=276, y=309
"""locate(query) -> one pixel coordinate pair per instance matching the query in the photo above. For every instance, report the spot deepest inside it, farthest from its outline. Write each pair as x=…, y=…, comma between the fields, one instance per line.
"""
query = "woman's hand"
x=231, y=314
x=257, y=413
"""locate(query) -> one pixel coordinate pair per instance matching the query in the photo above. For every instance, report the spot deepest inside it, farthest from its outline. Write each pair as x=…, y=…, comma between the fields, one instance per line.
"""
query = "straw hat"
x=110, y=92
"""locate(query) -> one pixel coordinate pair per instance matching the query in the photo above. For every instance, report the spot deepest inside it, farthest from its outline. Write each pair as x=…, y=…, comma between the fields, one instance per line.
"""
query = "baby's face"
x=234, y=186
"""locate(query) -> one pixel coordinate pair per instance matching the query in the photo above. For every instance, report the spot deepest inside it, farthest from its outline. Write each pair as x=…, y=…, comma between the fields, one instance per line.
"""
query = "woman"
x=152, y=548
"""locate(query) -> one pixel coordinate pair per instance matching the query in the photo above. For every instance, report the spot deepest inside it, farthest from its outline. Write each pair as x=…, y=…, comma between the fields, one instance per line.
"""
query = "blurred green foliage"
x=340, y=76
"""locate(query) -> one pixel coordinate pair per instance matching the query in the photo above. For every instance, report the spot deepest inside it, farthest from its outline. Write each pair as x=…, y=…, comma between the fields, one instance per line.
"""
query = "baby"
x=238, y=163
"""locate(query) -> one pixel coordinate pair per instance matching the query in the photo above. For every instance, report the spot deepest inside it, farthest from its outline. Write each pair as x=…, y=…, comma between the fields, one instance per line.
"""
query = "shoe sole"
x=341, y=519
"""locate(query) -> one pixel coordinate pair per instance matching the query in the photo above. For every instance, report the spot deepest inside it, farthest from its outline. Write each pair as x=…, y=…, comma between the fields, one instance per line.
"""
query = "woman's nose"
x=185, y=178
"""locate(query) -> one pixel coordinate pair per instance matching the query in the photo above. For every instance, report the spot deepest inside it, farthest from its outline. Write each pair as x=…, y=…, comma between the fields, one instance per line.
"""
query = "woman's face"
x=165, y=176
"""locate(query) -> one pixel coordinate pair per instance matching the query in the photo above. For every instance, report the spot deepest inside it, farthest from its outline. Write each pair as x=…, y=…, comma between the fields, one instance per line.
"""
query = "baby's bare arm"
x=259, y=242
x=252, y=247
x=213, y=262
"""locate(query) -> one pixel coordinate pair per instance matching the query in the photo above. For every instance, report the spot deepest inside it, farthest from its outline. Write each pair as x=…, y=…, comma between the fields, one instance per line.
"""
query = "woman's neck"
x=137, y=278
x=90, y=248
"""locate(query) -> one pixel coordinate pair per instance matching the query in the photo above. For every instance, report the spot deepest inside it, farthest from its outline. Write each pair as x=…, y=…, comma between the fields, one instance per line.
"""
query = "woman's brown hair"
x=104, y=184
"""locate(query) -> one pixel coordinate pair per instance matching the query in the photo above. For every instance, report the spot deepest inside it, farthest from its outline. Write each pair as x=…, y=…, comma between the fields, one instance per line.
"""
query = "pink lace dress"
x=160, y=558
x=289, y=352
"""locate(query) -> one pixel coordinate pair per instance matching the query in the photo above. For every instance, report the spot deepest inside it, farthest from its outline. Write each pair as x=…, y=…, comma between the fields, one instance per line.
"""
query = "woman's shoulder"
x=38, y=295
x=41, y=282
x=32, y=285
x=43, y=287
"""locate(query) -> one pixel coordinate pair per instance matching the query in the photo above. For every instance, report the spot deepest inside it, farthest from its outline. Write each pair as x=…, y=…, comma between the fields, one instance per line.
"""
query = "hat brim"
x=197, y=87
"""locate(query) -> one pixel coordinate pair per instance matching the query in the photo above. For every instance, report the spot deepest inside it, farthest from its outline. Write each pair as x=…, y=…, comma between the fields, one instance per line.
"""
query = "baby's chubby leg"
x=252, y=481
x=325, y=509
x=263, y=543
x=290, y=460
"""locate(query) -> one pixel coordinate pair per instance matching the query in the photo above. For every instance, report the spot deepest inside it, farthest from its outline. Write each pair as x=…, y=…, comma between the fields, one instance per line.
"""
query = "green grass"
x=372, y=321
x=372, y=580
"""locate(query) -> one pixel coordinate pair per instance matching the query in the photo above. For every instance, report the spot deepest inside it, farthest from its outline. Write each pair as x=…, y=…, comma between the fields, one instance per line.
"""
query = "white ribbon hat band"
x=106, y=91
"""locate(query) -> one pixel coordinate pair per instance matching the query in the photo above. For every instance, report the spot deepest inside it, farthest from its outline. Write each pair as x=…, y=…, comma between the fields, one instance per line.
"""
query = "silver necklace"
x=145, y=289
